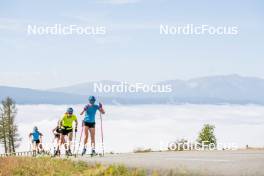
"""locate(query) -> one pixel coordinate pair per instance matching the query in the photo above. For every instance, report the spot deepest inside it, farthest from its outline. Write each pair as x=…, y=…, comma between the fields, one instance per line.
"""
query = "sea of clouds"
x=152, y=126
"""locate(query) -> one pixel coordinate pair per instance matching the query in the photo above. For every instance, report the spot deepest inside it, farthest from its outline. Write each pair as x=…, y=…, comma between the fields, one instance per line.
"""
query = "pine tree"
x=9, y=130
x=3, y=137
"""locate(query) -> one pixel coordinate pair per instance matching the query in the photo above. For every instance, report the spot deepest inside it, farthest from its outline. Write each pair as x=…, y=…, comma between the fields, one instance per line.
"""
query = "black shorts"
x=36, y=141
x=90, y=125
x=65, y=131
x=57, y=135
x=58, y=130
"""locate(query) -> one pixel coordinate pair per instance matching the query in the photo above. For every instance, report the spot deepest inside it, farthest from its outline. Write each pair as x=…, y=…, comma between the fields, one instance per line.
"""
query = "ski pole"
x=74, y=143
x=80, y=141
x=29, y=142
x=102, y=134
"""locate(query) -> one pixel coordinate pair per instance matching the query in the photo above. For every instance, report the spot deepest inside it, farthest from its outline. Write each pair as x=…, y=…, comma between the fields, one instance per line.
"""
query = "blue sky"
x=132, y=49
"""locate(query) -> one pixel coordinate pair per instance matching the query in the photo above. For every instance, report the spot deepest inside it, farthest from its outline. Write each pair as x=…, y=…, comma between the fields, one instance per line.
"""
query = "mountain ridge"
x=233, y=89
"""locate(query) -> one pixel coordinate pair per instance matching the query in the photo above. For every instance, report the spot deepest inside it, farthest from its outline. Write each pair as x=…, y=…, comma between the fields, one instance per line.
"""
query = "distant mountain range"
x=232, y=89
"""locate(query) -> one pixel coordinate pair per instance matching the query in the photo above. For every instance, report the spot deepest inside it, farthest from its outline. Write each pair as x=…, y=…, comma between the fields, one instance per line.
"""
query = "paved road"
x=242, y=162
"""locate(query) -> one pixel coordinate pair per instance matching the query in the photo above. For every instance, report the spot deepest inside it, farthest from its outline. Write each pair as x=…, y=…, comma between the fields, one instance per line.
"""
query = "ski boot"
x=57, y=153
x=84, y=151
x=93, y=153
x=68, y=152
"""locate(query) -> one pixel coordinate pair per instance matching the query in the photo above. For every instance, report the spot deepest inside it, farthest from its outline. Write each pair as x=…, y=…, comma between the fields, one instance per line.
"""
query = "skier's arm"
x=82, y=112
x=84, y=109
x=30, y=134
x=54, y=130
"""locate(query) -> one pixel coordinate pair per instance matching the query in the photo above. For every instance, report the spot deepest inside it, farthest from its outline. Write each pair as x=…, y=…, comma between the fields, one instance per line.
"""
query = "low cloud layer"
x=153, y=126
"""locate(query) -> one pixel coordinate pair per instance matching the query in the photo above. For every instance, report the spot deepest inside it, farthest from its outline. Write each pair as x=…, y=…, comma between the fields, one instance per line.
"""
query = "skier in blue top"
x=36, y=140
x=89, y=122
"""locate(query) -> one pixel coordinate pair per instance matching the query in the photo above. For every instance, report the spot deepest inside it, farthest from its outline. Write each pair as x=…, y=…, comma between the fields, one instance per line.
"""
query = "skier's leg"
x=70, y=139
x=63, y=141
x=38, y=147
x=60, y=142
x=69, y=142
x=66, y=141
x=57, y=145
x=57, y=139
x=85, y=135
x=92, y=133
x=85, y=139
x=34, y=148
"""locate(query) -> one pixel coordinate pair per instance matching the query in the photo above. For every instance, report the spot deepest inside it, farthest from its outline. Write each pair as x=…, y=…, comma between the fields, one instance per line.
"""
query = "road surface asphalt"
x=239, y=162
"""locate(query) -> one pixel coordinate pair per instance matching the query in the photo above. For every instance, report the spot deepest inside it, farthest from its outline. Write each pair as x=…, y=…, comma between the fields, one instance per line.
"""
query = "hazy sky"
x=132, y=49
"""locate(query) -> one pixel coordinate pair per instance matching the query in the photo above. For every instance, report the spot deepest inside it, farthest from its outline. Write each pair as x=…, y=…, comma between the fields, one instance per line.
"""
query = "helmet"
x=69, y=110
x=92, y=99
x=35, y=128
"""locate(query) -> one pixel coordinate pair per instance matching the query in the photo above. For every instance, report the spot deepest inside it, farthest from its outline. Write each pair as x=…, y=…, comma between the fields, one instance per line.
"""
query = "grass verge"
x=45, y=166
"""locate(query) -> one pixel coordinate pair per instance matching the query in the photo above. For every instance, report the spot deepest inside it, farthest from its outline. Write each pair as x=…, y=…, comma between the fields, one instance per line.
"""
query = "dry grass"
x=46, y=166
x=27, y=166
